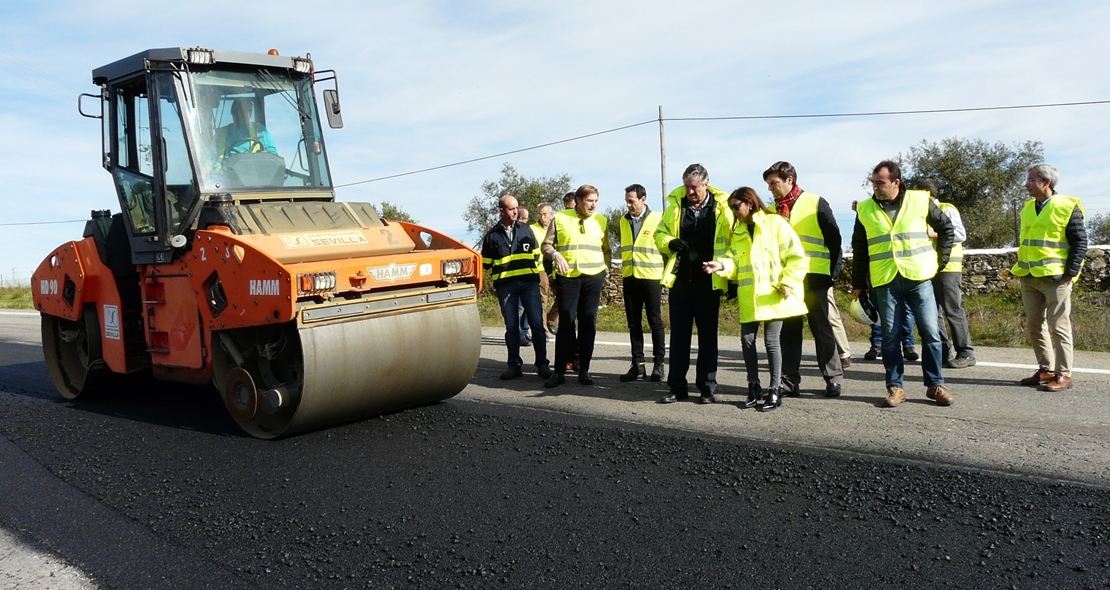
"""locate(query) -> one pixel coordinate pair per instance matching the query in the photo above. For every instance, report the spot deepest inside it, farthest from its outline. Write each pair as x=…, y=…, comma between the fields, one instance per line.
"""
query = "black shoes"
x=771, y=401
x=832, y=390
x=671, y=398
x=874, y=354
x=658, y=372
x=959, y=362
x=910, y=354
x=707, y=398
x=555, y=380
x=511, y=373
x=525, y=342
x=636, y=371
x=545, y=372
x=585, y=378
x=755, y=395
x=790, y=389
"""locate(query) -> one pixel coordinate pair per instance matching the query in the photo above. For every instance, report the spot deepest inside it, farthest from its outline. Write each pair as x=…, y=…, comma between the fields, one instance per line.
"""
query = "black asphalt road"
x=157, y=488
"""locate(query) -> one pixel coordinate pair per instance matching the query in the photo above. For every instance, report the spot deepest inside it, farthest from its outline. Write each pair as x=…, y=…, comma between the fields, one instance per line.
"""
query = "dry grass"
x=994, y=320
x=15, y=298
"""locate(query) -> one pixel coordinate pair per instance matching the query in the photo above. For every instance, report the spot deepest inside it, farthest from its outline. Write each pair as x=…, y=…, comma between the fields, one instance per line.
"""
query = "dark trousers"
x=817, y=304
x=946, y=287
x=641, y=294
x=578, y=299
x=694, y=303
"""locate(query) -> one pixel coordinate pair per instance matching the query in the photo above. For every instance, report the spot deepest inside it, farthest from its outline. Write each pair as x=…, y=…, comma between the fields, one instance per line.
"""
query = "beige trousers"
x=1048, y=322
x=842, y=347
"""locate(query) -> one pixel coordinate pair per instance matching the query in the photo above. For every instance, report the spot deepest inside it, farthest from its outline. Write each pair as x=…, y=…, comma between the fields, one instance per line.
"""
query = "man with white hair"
x=695, y=229
x=1050, y=256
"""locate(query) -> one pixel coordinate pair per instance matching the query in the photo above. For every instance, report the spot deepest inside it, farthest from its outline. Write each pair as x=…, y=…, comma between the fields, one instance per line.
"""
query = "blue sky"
x=430, y=83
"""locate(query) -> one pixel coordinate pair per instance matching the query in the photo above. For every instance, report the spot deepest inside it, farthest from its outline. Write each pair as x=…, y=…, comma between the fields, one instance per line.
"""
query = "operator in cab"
x=243, y=136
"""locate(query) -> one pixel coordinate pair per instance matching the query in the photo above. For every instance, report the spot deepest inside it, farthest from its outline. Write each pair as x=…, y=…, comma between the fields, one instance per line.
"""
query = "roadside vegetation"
x=15, y=298
x=994, y=320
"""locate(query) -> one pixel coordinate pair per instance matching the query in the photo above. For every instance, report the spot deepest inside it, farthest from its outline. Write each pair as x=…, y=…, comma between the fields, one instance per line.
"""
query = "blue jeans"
x=891, y=298
x=906, y=336
x=512, y=294
x=525, y=329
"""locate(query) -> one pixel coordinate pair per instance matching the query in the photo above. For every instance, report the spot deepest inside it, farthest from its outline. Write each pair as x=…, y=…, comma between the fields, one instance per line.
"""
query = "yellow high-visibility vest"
x=956, y=258
x=640, y=258
x=761, y=262
x=671, y=226
x=803, y=218
x=1043, y=251
x=901, y=246
x=540, y=233
x=580, y=242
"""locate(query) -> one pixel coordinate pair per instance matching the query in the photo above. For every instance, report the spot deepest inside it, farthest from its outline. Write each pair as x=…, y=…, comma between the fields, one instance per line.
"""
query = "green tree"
x=984, y=181
x=1098, y=228
x=395, y=212
x=481, y=212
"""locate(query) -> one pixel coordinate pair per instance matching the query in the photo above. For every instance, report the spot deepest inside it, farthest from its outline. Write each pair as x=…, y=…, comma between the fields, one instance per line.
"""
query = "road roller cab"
x=232, y=262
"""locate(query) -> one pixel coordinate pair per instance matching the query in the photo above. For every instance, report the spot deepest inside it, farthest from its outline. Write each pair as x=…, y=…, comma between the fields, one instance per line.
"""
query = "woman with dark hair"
x=766, y=259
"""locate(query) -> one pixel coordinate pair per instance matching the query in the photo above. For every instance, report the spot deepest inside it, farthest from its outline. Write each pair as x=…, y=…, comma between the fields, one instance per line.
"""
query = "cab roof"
x=137, y=63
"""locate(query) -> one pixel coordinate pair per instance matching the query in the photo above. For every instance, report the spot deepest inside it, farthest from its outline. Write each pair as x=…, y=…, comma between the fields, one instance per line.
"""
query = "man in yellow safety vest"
x=812, y=218
x=641, y=268
x=695, y=229
x=1050, y=256
x=578, y=244
x=893, y=255
x=955, y=336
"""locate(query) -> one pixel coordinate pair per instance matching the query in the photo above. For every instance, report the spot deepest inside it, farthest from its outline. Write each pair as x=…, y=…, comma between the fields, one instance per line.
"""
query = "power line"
x=734, y=118
x=46, y=222
x=535, y=147
x=25, y=67
x=656, y=120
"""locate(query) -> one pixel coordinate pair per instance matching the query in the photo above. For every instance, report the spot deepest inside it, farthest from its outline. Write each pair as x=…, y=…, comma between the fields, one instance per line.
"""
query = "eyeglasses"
x=736, y=206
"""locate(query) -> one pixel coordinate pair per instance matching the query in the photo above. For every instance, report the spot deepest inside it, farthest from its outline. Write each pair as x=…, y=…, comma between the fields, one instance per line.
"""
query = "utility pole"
x=662, y=163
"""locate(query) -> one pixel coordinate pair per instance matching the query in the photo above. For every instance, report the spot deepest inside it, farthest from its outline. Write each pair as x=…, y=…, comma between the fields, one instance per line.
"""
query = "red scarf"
x=785, y=204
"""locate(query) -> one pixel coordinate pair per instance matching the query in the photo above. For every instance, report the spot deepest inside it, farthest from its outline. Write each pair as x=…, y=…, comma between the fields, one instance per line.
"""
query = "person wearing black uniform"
x=511, y=253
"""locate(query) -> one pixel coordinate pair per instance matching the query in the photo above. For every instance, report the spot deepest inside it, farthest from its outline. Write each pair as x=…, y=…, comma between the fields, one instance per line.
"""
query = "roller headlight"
x=316, y=282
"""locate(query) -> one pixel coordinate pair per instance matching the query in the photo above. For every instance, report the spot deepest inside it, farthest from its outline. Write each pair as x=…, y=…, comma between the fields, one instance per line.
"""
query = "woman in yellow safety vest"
x=766, y=259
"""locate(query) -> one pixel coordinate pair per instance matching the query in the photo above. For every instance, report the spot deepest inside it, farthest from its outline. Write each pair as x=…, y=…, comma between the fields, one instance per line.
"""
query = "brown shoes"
x=940, y=395
x=1039, y=378
x=937, y=393
x=895, y=396
x=1058, y=383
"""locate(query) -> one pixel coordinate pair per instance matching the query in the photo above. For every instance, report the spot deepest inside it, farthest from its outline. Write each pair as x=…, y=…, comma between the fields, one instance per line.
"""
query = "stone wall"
x=988, y=271
x=985, y=271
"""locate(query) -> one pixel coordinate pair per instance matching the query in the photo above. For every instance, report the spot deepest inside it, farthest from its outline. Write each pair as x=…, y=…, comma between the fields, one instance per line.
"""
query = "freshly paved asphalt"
x=512, y=485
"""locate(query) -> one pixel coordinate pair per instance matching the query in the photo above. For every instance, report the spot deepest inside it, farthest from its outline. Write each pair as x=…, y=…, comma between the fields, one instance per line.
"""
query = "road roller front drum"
x=285, y=379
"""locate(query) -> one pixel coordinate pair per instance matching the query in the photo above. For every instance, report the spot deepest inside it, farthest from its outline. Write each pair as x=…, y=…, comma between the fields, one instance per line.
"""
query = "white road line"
x=979, y=363
x=17, y=312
